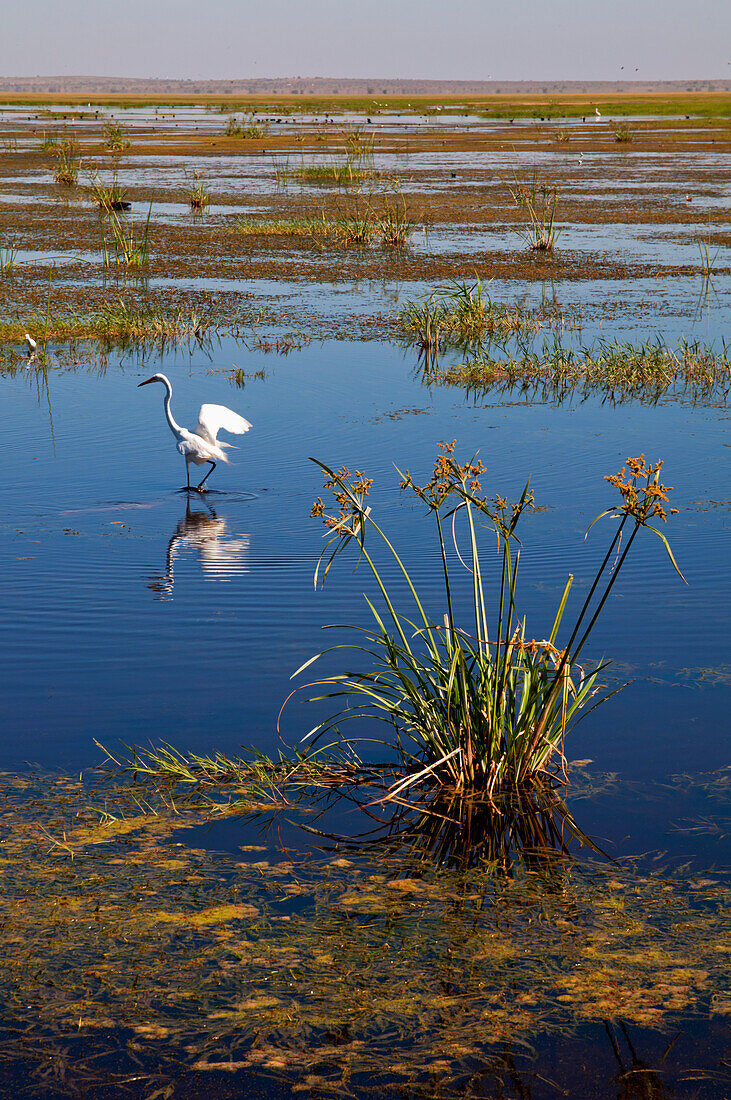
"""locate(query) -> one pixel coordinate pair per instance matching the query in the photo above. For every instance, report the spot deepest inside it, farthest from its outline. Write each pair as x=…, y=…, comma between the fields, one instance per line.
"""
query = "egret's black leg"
x=200, y=485
x=187, y=473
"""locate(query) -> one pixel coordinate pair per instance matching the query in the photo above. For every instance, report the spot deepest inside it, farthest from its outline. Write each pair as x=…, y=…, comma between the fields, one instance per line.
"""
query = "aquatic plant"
x=460, y=313
x=117, y=323
x=485, y=708
x=619, y=367
x=48, y=142
x=196, y=194
x=394, y=225
x=359, y=144
x=108, y=197
x=115, y=139
x=244, y=128
x=707, y=256
x=66, y=153
x=131, y=249
x=8, y=252
x=133, y=955
x=347, y=173
x=424, y=321
x=539, y=199
x=622, y=132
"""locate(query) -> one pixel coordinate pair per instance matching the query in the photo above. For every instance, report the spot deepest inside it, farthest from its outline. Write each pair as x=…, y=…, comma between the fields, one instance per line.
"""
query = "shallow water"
x=140, y=615
x=136, y=613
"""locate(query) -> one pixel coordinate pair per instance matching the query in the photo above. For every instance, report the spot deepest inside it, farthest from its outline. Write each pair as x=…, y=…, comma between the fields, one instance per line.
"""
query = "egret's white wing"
x=215, y=418
x=199, y=449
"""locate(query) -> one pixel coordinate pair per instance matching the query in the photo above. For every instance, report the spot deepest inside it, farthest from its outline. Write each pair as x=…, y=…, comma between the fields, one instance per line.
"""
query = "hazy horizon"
x=386, y=39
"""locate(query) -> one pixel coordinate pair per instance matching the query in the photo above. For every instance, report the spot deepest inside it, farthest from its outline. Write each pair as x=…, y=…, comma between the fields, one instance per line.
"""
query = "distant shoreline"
x=330, y=86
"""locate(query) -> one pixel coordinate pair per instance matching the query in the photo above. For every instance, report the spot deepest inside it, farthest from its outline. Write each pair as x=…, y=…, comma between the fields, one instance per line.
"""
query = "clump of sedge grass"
x=108, y=197
x=115, y=139
x=707, y=257
x=462, y=312
x=196, y=194
x=8, y=253
x=364, y=222
x=539, y=200
x=117, y=323
x=244, y=128
x=563, y=136
x=622, y=132
x=48, y=143
x=394, y=224
x=128, y=247
x=347, y=174
x=66, y=153
x=477, y=706
x=625, y=370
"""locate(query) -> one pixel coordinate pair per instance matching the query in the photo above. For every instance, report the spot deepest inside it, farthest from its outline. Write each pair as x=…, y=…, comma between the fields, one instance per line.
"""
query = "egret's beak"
x=147, y=382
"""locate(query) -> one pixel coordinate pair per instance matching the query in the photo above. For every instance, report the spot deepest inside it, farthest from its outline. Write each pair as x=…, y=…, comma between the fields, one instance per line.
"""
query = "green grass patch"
x=118, y=323
x=461, y=312
x=620, y=368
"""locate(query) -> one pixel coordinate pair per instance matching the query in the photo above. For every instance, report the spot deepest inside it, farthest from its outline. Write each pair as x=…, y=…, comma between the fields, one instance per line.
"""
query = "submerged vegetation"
x=483, y=708
x=131, y=954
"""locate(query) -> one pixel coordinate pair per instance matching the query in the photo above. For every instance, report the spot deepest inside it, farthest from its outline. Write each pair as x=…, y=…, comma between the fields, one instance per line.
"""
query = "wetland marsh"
x=355, y=279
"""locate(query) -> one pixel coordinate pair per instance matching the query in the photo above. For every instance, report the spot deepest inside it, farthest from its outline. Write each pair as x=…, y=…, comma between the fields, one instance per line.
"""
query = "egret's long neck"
x=174, y=428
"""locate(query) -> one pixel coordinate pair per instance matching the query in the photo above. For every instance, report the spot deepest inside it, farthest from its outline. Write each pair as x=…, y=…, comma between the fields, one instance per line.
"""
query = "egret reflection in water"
x=220, y=557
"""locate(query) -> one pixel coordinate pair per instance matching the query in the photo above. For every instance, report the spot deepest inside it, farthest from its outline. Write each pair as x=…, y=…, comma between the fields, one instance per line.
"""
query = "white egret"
x=597, y=112
x=31, y=344
x=202, y=445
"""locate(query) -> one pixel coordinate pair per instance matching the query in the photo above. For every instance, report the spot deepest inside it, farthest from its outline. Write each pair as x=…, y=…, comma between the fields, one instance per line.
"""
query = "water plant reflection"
x=203, y=530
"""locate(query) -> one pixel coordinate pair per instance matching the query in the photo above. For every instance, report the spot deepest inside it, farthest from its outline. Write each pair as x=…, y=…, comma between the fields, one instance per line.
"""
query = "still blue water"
x=132, y=615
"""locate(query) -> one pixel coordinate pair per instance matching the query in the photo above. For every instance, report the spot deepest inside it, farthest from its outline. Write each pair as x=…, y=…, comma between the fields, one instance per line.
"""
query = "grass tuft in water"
x=196, y=194
x=622, y=133
x=115, y=139
x=461, y=313
x=66, y=153
x=108, y=197
x=8, y=252
x=617, y=367
x=482, y=706
x=244, y=128
x=539, y=199
x=117, y=324
x=128, y=247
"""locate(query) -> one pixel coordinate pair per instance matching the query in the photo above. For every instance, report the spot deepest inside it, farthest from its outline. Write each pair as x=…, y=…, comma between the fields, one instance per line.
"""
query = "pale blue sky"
x=451, y=40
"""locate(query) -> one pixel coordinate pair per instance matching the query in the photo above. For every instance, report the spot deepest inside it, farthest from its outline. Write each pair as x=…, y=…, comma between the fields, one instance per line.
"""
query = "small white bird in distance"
x=202, y=445
x=31, y=345
x=597, y=112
